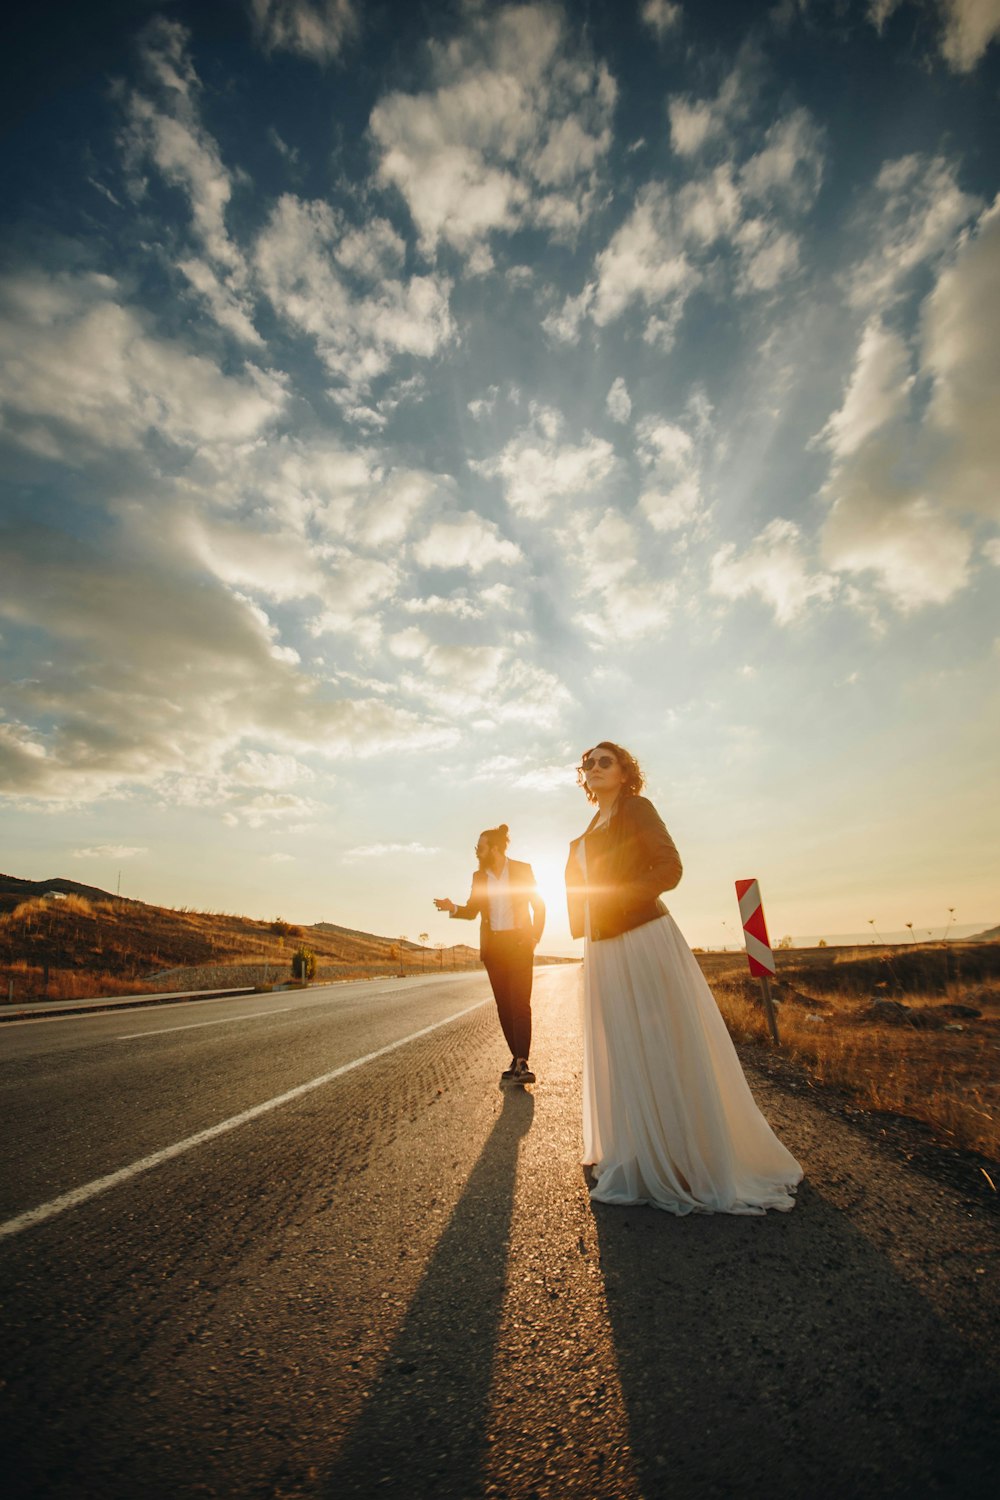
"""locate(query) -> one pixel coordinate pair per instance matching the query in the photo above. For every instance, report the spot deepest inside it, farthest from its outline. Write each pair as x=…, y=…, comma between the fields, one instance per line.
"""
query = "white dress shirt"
x=501, y=906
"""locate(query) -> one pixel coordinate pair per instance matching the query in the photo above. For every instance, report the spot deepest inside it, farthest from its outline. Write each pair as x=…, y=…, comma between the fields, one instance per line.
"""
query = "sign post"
x=759, y=955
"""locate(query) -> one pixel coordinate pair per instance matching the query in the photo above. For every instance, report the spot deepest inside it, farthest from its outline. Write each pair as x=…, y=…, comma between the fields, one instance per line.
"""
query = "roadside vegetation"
x=70, y=946
x=912, y=1031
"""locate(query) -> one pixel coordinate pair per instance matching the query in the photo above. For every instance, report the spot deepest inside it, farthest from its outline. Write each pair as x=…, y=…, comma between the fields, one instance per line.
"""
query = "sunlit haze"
x=396, y=399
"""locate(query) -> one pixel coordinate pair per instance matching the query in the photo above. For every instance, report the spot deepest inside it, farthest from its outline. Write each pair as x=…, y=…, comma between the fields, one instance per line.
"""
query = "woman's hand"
x=445, y=903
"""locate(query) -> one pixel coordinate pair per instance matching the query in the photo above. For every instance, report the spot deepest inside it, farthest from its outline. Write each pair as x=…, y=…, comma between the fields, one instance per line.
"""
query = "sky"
x=397, y=399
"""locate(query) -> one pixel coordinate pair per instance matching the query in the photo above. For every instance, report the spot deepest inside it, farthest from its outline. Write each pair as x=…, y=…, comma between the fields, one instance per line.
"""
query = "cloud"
x=903, y=478
x=644, y=262
x=618, y=403
x=317, y=29
x=487, y=684
x=960, y=347
x=770, y=255
x=539, y=469
x=697, y=123
x=466, y=541
x=877, y=393
x=513, y=132
x=109, y=851
x=789, y=166
x=164, y=128
x=81, y=370
x=382, y=851
x=345, y=287
x=671, y=496
x=968, y=28
x=916, y=210
x=141, y=672
x=660, y=16
x=774, y=568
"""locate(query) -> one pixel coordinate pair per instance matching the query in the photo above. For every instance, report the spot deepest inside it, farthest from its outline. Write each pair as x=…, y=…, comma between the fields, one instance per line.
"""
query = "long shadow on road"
x=423, y=1430
x=786, y=1357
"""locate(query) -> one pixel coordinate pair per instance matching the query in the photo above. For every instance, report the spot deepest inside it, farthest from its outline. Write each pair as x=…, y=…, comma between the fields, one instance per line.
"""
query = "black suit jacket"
x=529, y=908
x=627, y=868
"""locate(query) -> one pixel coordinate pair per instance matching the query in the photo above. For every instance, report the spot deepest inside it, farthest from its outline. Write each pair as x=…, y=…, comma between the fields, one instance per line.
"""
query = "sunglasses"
x=601, y=761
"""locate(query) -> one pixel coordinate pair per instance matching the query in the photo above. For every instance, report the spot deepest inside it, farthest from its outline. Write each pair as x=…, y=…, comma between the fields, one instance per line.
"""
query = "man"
x=512, y=918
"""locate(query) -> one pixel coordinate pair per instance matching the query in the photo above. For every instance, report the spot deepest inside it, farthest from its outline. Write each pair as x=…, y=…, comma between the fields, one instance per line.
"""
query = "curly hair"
x=634, y=778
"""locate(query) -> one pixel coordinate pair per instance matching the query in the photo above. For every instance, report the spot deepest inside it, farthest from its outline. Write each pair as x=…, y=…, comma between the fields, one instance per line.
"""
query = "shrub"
x=303, y=963
x=281, y=928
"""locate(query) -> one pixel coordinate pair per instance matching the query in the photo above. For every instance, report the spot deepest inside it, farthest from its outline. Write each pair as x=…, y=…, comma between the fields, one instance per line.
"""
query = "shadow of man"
x=787, y=1356
x=423, y=1429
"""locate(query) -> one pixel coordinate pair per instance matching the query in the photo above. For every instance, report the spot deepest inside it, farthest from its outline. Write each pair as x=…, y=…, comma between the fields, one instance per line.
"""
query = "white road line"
x=100, y=1185
x=130, y=1036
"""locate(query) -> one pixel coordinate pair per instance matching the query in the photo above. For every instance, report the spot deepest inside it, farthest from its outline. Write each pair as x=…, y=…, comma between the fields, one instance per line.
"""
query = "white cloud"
x=144, y=670
x=513, y=133
x=644, y=262
x=961, y=352
x=789, y=166
x=770, y=255
x=383, y=851
x=539, y=470
x=164, y=128
x=878, y=391
x=967, y=28
x=82, y=371
x=264, y=768
x=484, y=406
x=970, y=27
x=916, y=211
x=661, y=16
x=228, y=310
x=410, y=644
x=901, y=478
x=310, y=260
x=694, y=123
x=487, y=684
x=917, y=555
x=774, y=568
x=619, y=403
x=317, y=29
x=109, y=851
x=466, y=541
x=671, y=497
x=709, y=207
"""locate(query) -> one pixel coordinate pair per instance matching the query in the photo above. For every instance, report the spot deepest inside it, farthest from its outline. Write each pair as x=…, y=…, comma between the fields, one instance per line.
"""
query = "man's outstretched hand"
x=445, y=903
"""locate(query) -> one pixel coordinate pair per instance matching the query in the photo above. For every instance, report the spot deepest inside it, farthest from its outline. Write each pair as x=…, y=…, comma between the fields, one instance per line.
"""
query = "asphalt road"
x=349, y=1274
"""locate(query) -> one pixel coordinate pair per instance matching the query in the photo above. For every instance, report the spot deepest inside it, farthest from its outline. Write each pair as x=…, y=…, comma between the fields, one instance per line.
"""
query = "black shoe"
x=508, y=1073
x=522, y=1073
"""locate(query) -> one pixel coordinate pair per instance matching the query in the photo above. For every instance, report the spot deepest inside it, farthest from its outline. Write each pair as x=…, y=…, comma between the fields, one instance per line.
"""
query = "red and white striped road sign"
x=759, y=955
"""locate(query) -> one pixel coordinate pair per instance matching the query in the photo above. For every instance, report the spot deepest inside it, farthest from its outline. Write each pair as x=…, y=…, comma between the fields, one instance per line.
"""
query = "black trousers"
x=509, y=957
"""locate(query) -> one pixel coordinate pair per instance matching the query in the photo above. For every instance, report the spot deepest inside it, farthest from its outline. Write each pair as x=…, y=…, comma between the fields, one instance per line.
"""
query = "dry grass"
x=924, y=1063
x=75, y=946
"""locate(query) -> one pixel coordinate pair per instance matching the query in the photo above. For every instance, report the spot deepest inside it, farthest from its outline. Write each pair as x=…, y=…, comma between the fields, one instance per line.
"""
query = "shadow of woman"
x=423, y=1429
x=786, y=1356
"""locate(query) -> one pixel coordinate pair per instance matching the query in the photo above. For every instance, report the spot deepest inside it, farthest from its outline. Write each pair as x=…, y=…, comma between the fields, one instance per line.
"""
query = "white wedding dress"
x=668, y=1117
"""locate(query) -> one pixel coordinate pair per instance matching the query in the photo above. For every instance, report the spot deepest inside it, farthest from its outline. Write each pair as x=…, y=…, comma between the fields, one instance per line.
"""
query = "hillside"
x=66, y=940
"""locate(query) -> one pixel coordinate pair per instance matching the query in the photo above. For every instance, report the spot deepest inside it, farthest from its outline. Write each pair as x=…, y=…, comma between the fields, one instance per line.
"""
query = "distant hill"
x=991, y=935
x=67, y=939
x=13, y=891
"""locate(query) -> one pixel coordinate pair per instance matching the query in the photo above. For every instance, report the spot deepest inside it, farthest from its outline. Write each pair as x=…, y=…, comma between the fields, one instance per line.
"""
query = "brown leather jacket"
x=628, y=865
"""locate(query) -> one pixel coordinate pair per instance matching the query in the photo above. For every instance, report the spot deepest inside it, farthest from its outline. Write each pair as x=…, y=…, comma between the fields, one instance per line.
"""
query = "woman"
x=668, y=1117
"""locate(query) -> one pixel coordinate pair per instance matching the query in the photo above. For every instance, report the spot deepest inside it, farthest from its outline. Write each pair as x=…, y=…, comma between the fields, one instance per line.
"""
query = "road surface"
x=333, y=1260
